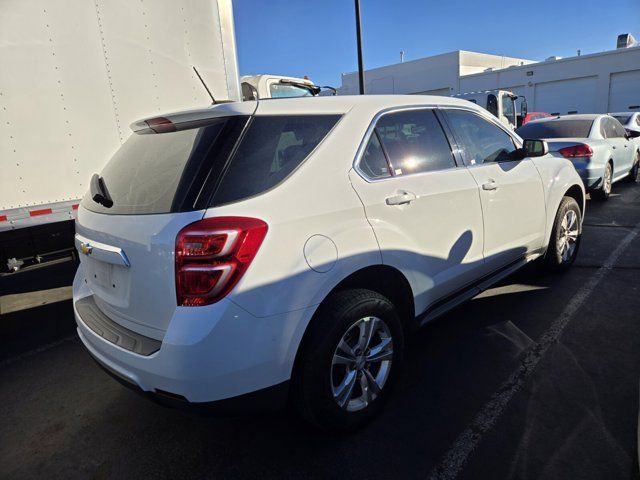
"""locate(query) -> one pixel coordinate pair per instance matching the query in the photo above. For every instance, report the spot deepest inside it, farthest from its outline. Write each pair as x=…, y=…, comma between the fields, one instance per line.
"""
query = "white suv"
x=255, y=253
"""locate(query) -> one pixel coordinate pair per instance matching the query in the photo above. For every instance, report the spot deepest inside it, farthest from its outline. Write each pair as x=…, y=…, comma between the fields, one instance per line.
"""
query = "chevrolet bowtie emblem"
x=86, y=248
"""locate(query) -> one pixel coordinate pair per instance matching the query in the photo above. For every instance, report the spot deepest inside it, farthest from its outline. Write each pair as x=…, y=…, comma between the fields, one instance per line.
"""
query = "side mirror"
x=535, y=148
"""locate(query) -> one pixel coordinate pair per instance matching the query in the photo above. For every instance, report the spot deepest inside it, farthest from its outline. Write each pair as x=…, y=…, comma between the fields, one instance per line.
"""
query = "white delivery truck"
x=73, y=76
x=508, y=107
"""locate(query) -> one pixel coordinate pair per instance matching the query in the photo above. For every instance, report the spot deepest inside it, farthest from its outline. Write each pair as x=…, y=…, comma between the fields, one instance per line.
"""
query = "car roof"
x=339, y=104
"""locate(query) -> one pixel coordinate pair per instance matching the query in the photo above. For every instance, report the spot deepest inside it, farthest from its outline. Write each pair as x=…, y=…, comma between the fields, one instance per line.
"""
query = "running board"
x=445, y=304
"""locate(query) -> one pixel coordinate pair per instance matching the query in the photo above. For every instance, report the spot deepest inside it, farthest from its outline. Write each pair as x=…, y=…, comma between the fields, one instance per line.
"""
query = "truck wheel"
x=349, y=360
x=605, y=189
x=565, y=236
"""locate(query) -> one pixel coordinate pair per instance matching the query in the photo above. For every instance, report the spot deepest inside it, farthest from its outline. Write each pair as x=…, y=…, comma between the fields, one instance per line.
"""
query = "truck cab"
x=508, y=107
x=276, y=86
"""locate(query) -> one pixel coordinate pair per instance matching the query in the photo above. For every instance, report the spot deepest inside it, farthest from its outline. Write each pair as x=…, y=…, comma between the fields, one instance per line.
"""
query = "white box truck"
x=73, y=76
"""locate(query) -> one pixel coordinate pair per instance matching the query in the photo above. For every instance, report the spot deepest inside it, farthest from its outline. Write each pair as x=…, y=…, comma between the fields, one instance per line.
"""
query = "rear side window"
x=272, y=147
x=414, y=142
x=556, y=129
x=374, y=163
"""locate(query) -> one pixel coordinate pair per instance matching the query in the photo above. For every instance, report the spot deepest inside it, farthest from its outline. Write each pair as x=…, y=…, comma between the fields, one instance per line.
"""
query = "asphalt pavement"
x=537, y=378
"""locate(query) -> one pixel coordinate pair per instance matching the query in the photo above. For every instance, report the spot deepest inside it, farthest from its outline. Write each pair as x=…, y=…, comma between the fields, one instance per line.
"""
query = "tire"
x=562, y=251
x=605, y=190
x=320, y=373
x=634, y=173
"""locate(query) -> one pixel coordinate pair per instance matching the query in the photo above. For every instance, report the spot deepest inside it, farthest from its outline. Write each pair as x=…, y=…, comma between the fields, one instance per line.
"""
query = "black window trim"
x=517, y=142
x=371, y=129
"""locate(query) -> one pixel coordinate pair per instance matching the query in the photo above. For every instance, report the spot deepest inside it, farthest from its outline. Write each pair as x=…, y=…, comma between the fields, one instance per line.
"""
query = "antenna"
x=213, y=100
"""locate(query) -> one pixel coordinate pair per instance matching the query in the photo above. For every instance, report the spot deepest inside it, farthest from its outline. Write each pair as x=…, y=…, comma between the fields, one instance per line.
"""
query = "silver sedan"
x=599, y=147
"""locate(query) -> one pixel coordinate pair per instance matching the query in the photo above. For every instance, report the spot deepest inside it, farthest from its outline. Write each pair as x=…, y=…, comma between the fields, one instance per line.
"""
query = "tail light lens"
x=212, y=255
x=574, y=151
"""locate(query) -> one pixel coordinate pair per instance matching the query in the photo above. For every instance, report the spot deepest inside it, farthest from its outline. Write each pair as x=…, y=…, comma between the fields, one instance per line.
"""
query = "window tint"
x=374, y=163
x=270, y=150
x=150, y=171
x=414, y=142
x=480, y=140
x=609, y=128
x=556, y=129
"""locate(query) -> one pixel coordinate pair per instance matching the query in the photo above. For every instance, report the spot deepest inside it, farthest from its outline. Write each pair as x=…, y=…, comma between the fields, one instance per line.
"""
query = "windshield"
x=283, y=90
x=556, y=129
x=623, y=119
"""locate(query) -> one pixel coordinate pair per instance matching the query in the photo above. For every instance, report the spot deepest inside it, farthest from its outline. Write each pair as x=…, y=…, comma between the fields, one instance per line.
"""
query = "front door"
x=424, y=209
x=511, y=192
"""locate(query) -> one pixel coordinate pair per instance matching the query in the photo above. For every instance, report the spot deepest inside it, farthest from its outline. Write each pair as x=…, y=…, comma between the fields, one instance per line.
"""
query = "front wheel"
x=634, y=173
x=565, y=236
x=349, y=360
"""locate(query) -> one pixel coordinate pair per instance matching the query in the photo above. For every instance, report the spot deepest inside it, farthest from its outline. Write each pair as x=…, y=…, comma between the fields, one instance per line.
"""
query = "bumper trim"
x=112, y=332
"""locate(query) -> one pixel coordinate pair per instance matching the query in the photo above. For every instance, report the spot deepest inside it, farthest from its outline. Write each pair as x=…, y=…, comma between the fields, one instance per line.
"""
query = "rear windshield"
x=556, y=129
x=192, y=169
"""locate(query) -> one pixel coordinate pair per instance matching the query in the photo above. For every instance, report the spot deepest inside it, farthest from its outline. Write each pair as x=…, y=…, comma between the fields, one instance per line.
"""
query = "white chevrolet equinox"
x=252, y=254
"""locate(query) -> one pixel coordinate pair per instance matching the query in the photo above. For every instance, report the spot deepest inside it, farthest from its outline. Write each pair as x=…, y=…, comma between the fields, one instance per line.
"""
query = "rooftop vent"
x=553, y=58
x=626, y=40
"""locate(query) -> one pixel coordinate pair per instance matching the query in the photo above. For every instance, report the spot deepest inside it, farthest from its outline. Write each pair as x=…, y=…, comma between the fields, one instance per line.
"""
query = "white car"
x=256, y=253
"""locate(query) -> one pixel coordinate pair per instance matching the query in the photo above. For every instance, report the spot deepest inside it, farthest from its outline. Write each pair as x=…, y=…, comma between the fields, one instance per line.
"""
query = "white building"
x=596, y=83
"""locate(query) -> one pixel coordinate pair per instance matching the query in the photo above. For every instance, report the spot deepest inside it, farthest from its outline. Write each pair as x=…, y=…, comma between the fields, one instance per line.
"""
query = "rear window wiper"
x=99, y=192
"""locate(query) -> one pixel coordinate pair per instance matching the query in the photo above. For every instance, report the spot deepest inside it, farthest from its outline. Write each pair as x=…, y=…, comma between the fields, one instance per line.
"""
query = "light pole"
x=359, y=42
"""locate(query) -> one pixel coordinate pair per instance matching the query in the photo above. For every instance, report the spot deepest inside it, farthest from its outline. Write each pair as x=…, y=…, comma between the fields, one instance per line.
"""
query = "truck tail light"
x=212, y=255
x=574, y=151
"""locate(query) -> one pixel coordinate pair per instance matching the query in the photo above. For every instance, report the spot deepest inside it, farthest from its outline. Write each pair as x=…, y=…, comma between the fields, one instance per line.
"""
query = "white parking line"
x=455, y=459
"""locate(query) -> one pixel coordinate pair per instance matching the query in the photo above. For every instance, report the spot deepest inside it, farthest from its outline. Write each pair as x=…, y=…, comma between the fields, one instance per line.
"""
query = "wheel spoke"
x=367, y=329
x=345, y=389
x=345, y=351
x=374, y=388
x=381, y=352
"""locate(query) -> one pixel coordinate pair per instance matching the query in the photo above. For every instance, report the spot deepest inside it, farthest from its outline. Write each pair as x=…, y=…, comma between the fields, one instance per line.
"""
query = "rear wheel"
x=605, y=189
x=349, y=360
x=565, y=236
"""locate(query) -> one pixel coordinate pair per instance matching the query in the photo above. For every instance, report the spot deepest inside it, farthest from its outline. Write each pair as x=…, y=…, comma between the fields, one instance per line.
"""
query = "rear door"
x=424, y=209
x=623, y=151
x=512, y=197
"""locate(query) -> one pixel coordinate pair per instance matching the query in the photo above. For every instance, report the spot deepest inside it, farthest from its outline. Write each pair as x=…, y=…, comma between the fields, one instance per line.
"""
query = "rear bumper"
x=590, y=174
x=208, y=354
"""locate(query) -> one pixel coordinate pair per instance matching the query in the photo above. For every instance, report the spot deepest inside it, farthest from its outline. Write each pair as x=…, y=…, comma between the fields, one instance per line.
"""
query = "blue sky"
x=297, y=38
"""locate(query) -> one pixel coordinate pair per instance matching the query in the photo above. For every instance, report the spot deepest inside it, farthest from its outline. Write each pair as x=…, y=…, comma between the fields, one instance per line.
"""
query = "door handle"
x=401, y=198
x=490, y=185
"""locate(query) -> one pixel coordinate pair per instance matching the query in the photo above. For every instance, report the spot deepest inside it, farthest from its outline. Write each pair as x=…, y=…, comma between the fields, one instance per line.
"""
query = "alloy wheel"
x=569, y=231
x=606, y=185
x=361, y=364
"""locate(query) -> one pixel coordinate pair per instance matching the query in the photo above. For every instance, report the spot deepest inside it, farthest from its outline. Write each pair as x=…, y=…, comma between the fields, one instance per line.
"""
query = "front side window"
x=479, y=140
x=619, y=129
x=271, y=148
x=608, y=128
x=414, y=142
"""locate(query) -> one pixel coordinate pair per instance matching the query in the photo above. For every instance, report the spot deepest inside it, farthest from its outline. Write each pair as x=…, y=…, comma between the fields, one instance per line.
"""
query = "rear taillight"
x=212, y=255
x=574, y=151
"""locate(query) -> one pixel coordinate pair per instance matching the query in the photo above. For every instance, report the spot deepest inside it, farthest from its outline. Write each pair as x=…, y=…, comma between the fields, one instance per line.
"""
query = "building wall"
x=596, y=83
x=436, y=75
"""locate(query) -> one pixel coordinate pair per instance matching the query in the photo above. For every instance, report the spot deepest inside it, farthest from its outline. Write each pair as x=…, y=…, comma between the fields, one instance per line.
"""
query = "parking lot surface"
x=536, y=378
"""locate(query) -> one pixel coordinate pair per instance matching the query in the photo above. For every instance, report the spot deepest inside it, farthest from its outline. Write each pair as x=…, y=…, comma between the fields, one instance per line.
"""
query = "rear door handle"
x=401, y=198
x=490, y=185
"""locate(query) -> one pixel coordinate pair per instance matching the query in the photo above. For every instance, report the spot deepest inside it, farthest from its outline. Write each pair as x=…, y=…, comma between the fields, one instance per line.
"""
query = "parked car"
x=598, y=145
x=531, y=116
x=630, y=121
x=279, y=251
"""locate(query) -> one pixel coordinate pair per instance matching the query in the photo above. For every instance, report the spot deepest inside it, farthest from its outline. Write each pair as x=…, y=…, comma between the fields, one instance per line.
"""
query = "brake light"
x=212, y=255
x=161, y=125
x=579, y=150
